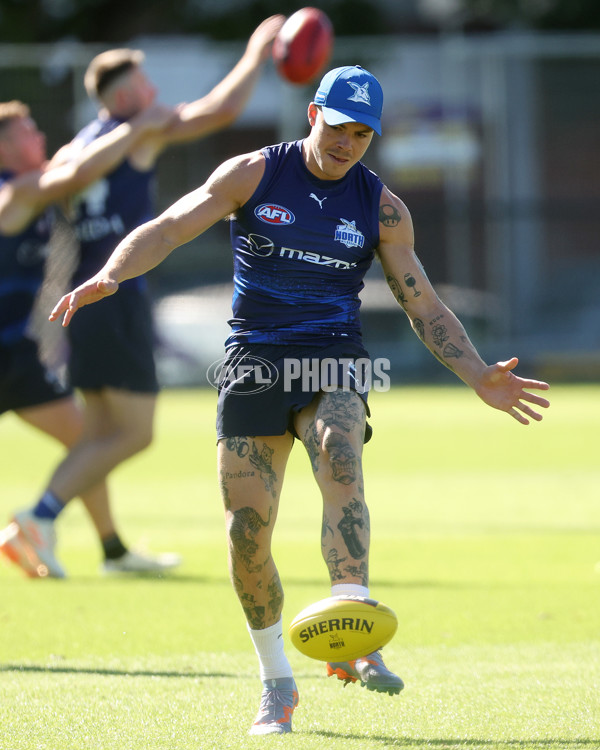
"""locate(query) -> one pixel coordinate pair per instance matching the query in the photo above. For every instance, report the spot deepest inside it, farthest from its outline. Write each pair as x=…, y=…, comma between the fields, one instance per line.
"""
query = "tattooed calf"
x=325, y=527
x=359, y=571
x=334, y=561
x=238, y=584
x=244, y=528
x=255, y=613
x=360, y=509
x=347, y=527
x=275, y=591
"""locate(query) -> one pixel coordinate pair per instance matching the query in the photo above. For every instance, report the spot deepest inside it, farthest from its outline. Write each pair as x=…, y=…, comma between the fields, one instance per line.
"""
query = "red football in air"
x=303, y=45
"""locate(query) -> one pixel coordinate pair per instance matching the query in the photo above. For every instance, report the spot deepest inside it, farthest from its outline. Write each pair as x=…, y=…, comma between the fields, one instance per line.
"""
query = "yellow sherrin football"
x=341, y=628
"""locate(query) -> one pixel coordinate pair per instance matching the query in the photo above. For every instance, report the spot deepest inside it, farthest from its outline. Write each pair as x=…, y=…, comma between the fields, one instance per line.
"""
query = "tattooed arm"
x=437, y=326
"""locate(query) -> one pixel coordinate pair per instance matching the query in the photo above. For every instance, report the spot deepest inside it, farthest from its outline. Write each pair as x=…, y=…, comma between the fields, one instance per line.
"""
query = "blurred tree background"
x=117, y=21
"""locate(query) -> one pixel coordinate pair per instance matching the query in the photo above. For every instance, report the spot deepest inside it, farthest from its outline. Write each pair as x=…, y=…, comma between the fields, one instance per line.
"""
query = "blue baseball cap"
x=351, y=94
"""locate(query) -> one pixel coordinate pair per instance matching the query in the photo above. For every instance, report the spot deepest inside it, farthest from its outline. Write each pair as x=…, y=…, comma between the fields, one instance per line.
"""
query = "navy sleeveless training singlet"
x=301, y=248
x=110, y=208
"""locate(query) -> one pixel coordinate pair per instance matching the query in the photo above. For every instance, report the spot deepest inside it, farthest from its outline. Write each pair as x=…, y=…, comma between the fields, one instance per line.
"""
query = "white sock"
x=349, y=589
x=268, y=644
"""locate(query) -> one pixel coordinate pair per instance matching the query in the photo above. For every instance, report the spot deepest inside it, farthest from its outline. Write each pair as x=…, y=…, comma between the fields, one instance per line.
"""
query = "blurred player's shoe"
x=14, y=546
x=370, y=671
x=40, y=536
x=277, y=703
x=136, y=562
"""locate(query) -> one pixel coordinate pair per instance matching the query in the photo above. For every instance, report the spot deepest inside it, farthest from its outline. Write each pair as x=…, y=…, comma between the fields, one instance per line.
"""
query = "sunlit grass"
x=485, y=537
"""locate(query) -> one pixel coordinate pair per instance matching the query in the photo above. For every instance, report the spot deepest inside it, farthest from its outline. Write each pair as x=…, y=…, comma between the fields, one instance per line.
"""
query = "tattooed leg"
x=333, y=432
x=250, y=475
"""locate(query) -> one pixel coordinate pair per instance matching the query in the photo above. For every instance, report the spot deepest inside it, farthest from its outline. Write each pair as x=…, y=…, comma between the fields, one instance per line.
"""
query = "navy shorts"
x=112, y=343
x=263, y=386
x=24, y=380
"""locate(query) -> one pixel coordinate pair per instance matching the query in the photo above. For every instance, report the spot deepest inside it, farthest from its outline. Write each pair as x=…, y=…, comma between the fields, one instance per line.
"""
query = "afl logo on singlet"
x=271, y=213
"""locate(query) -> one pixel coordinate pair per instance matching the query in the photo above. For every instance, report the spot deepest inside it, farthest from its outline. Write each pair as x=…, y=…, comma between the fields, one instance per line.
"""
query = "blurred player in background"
x=308, y=220
x=111, y=348
x=29, y=185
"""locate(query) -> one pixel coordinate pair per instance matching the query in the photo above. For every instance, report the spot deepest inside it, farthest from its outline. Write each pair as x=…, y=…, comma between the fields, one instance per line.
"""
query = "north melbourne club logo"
x=361, y=93
x=348, y=234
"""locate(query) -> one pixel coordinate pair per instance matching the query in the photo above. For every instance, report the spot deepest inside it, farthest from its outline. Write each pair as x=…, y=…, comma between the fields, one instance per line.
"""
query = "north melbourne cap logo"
x=361, y=93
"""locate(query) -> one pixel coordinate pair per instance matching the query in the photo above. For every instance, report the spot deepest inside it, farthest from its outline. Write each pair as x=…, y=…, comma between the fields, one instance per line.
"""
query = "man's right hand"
x=85, y=294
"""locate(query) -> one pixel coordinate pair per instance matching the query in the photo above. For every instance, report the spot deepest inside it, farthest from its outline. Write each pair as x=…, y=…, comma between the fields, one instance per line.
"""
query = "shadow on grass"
x=136, y=578
x=452, y=743
x=37, y=668
x=185, y=579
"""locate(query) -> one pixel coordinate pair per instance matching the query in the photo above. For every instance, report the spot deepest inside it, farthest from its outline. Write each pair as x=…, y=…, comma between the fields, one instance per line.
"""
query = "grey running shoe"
x=40, y=535
x=136, y=562
x=370, y=671
x=277, y=703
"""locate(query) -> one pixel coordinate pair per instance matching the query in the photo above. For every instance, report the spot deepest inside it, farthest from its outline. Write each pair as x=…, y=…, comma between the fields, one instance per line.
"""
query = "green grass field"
x=485, y=536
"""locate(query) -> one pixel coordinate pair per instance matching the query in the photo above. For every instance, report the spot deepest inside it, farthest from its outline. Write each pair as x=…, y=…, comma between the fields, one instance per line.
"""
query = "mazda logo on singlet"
x=271, y=213
x=259, y=245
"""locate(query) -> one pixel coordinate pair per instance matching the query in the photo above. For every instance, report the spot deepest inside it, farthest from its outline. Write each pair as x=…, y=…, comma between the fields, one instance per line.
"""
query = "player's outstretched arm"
x=437, y=326
x=148, y=245
x=28, y=194
x=227, y=100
